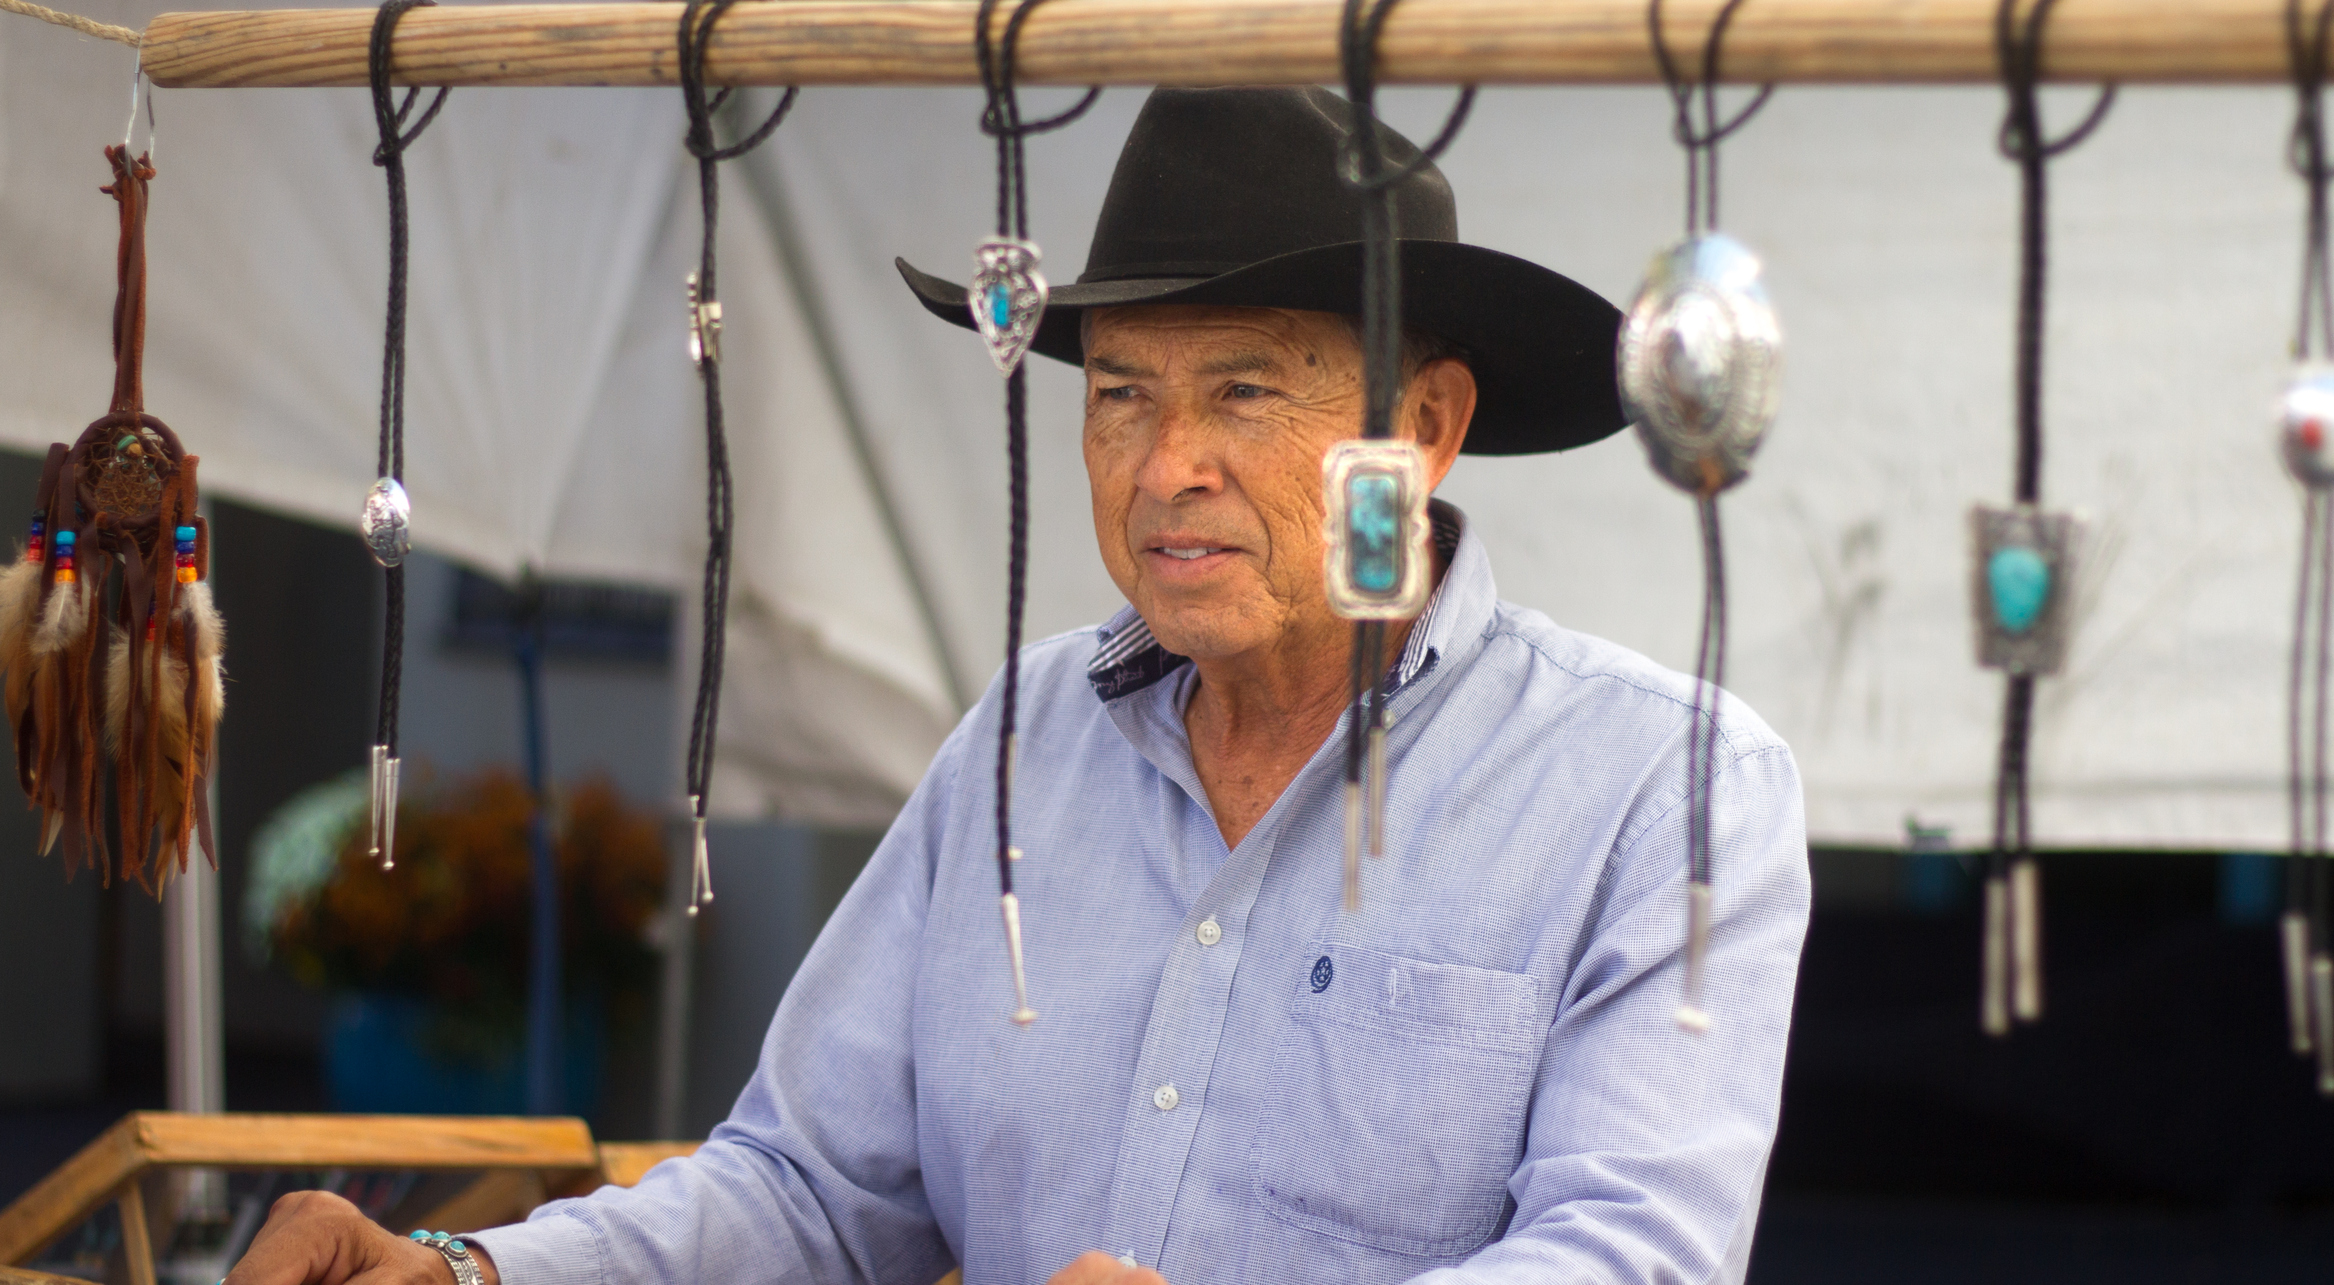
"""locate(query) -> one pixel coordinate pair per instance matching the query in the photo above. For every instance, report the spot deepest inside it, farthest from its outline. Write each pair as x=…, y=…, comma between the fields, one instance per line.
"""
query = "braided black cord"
x=696, y=32
x=2320, y=883
x=1709, y=680
x=389, y=154
x=2018, y=48
x=1001, y=119
x=2306, y=153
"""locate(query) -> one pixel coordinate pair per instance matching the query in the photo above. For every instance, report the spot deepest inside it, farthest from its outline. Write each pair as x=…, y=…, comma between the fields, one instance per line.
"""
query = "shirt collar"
x=1131, y=659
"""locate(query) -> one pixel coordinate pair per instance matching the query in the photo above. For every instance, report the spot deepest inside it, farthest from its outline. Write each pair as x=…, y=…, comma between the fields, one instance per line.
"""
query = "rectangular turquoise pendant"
x=2022, y=578
x=1376, y=530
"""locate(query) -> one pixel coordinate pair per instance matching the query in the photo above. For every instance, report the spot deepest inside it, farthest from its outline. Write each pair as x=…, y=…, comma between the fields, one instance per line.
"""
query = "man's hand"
x=317, y=1238
x=1094, y=1268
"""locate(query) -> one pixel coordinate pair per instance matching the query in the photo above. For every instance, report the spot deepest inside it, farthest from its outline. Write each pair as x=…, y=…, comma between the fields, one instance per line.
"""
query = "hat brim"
x=1540, y=343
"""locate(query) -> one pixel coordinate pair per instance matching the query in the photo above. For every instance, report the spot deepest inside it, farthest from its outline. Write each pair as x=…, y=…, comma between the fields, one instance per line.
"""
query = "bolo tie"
x=1378, y=555
x=1007, y=299
x=1700, y=363
x=2024, y=563
x=387, y=521
x=2306, y=418
x=696, y=36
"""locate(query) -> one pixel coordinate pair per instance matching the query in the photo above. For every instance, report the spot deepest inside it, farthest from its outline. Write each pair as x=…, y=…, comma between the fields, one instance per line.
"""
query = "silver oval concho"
x=387, y=525
x=1700, y=360
x=1007, y=298
x=2305, y=426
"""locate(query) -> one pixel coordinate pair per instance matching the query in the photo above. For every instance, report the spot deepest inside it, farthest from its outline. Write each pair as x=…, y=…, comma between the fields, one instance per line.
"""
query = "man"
x=1475, y=1077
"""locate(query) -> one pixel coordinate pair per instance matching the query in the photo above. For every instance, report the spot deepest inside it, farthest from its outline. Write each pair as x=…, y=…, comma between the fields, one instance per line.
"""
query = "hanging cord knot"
x=2018, y=49
x=1362, y=163
x=1700, y=141
x=1001, y=115
x=388, y=114
x=696, y=40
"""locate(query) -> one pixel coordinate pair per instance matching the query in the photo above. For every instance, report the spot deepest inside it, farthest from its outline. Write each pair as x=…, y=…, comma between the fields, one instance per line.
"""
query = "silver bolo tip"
x=1023, y=1014
x=2294, y=940
x=2026, y=941
x=377, y=782
x=2322, y=1006
x=389, y=816
x=1691, y=1016
x=1377, y=779
x=1353, y=844
x=1994, y=998
x=700, y=862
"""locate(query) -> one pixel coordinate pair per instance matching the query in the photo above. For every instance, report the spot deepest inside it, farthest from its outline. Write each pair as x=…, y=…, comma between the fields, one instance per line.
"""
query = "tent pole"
x=194, y=1000
x=1213, y=42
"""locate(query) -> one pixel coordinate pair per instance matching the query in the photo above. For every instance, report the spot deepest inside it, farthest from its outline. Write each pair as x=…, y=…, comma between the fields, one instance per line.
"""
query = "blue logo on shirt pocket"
x=1396, y=1116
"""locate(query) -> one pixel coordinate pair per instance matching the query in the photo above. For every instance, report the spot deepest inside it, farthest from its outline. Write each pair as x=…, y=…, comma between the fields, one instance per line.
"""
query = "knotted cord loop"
x=2018, y=47
x=1701, y=143
x=695, y=39
x=1001, y=116
x=390, y=117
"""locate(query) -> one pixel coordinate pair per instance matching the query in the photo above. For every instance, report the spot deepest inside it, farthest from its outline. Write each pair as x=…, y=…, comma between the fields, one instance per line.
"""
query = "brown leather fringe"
x=85, y=685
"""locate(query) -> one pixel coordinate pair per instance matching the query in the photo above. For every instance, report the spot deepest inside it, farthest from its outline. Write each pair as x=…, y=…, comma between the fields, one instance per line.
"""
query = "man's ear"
x=1436, y=409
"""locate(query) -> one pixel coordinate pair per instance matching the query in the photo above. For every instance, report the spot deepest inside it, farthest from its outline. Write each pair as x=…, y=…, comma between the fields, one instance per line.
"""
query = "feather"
x=20, y=592
x=62, y=620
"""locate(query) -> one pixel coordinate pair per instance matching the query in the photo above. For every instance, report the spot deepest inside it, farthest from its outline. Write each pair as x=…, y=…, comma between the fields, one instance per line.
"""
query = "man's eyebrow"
x=1247, y=362
x=1112, y=366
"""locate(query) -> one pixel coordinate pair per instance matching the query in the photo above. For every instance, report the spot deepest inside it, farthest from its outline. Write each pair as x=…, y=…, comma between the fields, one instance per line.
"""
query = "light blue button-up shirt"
x=1477, y=1077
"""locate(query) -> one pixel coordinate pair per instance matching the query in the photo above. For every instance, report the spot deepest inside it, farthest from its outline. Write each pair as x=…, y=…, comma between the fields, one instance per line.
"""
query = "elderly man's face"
x=1205, y=429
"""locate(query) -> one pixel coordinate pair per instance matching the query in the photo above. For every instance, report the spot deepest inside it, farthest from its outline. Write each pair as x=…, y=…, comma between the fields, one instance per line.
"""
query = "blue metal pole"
x=544, y=1062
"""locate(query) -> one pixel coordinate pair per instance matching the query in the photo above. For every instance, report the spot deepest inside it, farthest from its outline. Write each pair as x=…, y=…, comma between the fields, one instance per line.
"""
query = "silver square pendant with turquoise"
x=2022, y=586
x=1376, y=529
x=1007, y=298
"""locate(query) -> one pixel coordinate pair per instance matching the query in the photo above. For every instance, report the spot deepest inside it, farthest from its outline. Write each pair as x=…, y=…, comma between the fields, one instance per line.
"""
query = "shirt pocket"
x=1397, y=1113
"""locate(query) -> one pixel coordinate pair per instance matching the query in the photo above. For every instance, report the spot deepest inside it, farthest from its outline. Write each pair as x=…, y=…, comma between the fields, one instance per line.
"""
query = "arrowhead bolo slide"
x=1007, y=298
x=2022, y=577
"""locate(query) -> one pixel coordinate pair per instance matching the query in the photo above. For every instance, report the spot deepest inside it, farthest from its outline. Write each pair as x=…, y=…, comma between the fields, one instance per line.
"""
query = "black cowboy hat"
x=1232, y=197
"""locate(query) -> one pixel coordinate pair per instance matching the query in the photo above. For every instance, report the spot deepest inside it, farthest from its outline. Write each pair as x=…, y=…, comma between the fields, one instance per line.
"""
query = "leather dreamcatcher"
x=108, y=635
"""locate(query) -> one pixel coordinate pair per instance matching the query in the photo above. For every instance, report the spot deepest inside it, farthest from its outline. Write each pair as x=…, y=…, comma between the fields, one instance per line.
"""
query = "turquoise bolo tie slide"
x=2021, y=586
x=1375, y=526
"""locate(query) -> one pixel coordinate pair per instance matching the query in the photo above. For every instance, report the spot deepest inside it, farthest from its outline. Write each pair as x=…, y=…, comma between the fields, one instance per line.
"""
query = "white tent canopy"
x=553, y=421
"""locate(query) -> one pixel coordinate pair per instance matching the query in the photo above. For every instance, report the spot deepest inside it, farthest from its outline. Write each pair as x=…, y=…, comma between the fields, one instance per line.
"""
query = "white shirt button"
x=1210, y=932
x=1127, y=1260
x=1166, y=1098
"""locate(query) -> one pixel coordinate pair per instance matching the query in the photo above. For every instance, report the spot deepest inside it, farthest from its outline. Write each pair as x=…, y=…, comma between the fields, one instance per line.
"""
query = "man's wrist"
x=465, y=1262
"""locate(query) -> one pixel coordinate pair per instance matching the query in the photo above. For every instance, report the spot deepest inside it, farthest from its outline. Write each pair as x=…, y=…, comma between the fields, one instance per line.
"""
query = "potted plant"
x=426, y=962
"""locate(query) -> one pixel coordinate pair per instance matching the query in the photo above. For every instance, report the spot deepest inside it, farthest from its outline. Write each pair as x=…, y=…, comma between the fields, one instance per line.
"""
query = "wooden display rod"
x=1215, y=42
x=110, y=1166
